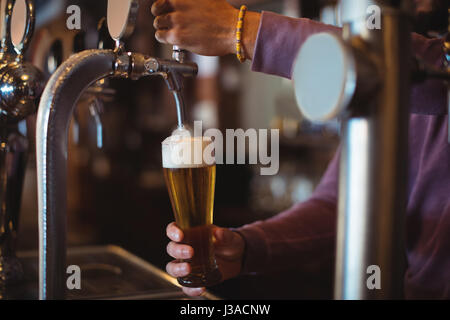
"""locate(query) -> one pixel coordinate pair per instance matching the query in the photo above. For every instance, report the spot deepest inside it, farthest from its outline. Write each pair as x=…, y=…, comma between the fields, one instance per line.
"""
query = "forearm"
x=302, y=237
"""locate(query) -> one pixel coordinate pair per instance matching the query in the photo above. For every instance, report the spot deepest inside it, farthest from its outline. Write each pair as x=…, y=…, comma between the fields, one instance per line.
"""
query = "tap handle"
x=143, y=65
x=179, y=54
x=121, y=18
x=8, y=44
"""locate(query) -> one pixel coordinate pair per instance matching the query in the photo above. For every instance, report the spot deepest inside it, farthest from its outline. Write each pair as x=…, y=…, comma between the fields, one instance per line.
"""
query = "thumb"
x=223, y=236
x=228, y=245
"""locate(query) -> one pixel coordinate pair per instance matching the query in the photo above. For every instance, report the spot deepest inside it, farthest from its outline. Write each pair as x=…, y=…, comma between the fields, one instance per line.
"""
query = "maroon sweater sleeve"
x=301, y=237
x=280, y=38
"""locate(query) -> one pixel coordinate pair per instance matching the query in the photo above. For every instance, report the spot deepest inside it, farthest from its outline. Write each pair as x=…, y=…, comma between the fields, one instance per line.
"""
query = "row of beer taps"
x=24, y=91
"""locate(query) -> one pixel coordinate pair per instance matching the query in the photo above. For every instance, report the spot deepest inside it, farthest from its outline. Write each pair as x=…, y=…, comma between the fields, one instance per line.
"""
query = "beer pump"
x=20, y=87
x=364, y=78
x=55, y=111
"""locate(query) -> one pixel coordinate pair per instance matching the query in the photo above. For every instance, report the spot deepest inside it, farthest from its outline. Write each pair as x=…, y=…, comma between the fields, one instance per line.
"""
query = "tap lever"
x=136, y=65
x=155, y=65
x=21, y=83
x=121, y=17
x=9, y=43
x=179, y=54
x=173, y=73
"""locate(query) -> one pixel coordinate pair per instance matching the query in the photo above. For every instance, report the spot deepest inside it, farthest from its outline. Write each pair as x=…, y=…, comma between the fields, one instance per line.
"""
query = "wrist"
x=249, y=33
x=231, y=43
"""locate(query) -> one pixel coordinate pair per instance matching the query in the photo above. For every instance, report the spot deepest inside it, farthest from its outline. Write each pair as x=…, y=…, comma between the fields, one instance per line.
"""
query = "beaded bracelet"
x=240, y=25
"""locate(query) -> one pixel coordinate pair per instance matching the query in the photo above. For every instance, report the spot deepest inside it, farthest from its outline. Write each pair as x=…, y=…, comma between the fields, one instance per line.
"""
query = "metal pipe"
x=55, y=111
x=373, y=170
x=179, y=101
x=179, y=55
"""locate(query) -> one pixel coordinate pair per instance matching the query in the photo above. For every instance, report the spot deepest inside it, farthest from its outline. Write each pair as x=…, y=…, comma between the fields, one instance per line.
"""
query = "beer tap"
x=55, y=111
x=341, y=78
x=338, y=77
x=20, y=87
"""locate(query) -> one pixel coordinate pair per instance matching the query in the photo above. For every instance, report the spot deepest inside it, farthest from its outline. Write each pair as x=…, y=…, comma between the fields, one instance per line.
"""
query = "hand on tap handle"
x=204, y=27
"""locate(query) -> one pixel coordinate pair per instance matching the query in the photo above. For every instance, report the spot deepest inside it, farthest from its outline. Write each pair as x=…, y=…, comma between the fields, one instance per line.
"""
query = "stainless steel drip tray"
x=107, y=272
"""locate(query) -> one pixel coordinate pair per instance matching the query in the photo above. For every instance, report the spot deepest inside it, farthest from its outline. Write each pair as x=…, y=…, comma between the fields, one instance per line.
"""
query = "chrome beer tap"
x=335, y=77
x=20, y=87
x=55, y=111
x=21, y=83
x=363, y=78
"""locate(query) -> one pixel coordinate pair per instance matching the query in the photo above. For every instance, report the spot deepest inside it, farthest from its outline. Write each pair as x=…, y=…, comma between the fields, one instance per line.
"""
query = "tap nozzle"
x=138, y=65
x=135, y=66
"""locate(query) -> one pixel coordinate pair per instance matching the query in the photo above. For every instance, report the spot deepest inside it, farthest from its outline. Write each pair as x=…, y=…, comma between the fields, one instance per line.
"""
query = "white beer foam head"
x=180, y=150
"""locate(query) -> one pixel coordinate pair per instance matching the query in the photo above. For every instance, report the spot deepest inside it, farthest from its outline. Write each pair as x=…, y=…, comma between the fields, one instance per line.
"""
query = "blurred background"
x=116, y=191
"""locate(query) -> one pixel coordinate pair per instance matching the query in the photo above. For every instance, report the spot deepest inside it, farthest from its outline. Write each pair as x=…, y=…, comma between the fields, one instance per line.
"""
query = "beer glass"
x=190, y=178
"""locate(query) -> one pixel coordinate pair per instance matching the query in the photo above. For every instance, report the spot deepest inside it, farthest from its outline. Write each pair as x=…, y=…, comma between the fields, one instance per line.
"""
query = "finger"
x=193, y=292
x=163, y=22
x=178, y=269
x=227, y=244
x=173, y=232
x=161, y=7
x=179, y=251
x=169, y=36
x=163, y=36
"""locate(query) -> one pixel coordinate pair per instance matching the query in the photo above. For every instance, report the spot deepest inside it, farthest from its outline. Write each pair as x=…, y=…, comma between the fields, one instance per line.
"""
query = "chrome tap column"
x=365, y=81
x=373, y=173
x=55, y=111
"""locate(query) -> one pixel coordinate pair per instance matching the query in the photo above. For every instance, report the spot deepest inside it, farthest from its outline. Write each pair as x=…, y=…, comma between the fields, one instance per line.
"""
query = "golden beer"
x=191, y=189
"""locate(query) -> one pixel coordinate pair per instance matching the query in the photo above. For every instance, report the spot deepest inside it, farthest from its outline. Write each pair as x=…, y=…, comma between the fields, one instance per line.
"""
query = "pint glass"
x=190, y=181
